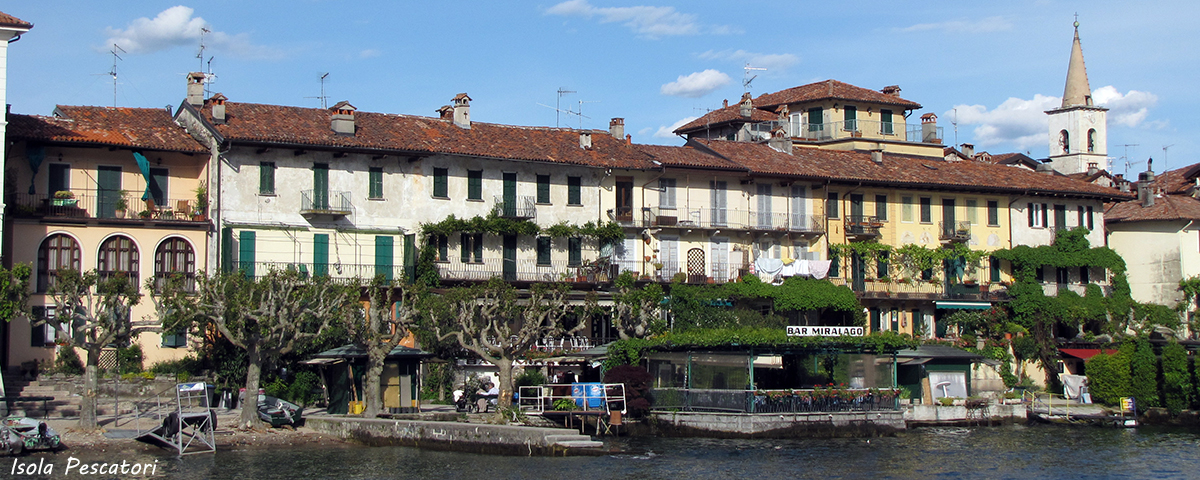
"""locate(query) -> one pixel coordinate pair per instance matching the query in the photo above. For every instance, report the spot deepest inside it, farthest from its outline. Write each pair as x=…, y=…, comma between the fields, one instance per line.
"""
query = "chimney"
x=968, y=150
x=1045, y=168
x=1093, y=168
x=747, y=105
x=877, y=156
x=585, y=140
x=725, y=103
x=1145, y=188
x=929, y=128
x=446, y=112
x=628, y=139
x=342, y=121
x=893, y=90
x=218, y=109
x=616, y=128
x=462, y=110
x=195, y=89
x=780, y=141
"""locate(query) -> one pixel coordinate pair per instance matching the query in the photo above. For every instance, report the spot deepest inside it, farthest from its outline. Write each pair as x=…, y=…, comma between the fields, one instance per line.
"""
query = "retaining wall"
x=460, y=437
x=768, y=425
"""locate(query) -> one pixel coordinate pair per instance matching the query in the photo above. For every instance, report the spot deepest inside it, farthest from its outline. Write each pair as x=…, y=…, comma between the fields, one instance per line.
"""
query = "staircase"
x=64, y=404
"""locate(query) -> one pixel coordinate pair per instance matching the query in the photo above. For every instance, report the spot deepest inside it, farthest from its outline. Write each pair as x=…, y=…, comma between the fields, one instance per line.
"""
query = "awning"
x=1083, y=353
x=964, y=305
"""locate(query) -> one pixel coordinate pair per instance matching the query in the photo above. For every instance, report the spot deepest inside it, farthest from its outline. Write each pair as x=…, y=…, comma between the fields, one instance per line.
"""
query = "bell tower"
x=1078, y=128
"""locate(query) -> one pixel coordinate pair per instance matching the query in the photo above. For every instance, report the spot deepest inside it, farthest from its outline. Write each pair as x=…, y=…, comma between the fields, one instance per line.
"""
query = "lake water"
x=1017, y=452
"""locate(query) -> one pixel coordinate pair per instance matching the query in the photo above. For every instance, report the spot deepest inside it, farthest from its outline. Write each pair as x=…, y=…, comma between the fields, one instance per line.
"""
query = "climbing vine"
x=496, y=225
x=628, y=352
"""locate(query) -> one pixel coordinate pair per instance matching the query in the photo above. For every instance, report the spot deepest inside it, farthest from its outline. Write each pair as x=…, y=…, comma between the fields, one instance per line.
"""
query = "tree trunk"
x=91, y=380
x=375, y=357
x=506, y=383
x=249, y=418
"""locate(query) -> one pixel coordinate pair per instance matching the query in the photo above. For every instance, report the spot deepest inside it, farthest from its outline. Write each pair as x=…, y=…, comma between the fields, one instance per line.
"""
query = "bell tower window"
x=1064, y=140
x=1091, y=141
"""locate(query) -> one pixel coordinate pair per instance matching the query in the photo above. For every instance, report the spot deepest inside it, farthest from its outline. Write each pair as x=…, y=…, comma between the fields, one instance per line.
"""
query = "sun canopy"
x=964, y=305
x=1081, y=353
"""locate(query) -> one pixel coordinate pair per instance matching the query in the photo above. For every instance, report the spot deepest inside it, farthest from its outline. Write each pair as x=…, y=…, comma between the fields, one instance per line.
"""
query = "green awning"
x=964, y=305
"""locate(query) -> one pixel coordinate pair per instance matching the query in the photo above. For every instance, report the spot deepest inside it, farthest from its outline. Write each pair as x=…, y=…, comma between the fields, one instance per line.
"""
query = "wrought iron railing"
x=104, y=204
x=325, y=202
x=517, y=207
x=958, y=231
x=707, y=217
x=872, y=129
x=339, y=271
x=776, y=401
x=863, y=225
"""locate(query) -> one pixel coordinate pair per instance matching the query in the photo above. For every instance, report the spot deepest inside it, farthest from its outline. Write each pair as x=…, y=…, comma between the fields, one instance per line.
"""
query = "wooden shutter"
x=246, y=250
x=384, y=256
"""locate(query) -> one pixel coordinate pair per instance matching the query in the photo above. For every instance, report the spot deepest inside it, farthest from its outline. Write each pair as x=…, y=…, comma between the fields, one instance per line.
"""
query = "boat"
x=279, y=412
x=19, y=434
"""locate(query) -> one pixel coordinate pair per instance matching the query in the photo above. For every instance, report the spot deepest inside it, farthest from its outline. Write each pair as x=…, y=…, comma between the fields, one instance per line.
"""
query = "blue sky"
x=655, y=63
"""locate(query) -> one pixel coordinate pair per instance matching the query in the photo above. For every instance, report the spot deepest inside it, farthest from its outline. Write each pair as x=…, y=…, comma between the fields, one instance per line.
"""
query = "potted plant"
x=64, y=198
x=121, y=204
x=201, y=203
x=144, y=214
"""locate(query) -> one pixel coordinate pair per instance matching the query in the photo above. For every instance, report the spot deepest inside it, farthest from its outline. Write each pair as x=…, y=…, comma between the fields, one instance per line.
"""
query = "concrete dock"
x=459, y=436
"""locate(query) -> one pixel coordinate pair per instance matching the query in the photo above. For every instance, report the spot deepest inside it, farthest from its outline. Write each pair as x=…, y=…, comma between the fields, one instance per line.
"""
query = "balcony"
x=869, y=129
x=316, y=202
x=96, y=204
x=862, y=226
x=337, y=271
x=717, y=218
x=917, y=289
x=522, y=207
x=959, y=231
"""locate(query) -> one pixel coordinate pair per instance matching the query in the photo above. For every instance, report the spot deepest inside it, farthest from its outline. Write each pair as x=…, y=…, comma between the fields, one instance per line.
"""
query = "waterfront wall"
x=920, y=415
x=767, y=425
x=460, y=437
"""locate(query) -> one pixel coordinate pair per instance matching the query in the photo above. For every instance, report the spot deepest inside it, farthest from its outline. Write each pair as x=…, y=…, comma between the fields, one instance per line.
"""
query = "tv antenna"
x=954, y=122
x=200, y=54
x=113, y=71
x=581, y=115
x=322, y=98
x=1125, y=157
x=708, y=121
x=558, y=103
x=1165, y=157
x=747, y=78
x=569, y=112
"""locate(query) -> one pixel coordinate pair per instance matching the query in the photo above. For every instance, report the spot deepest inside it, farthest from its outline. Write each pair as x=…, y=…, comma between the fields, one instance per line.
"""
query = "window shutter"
x=574, y=196
x=543, y=250
x=478, y=244
x=475, y=185
x=384, y=255
x=246, y=252
x=320, y=254
x=1045, y=217
x=574, y=251
x=543, y=189
x=1029, y=208
x=440, y=188
x=464, y=248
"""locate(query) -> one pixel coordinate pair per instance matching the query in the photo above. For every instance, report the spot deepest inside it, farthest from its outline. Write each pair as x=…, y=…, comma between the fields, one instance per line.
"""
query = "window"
x=1090, y=225
x=1060, y=217
x=881, y=265
x=993, y=208
x=1084, y=276
x=994, y=263
x=574, y=252
x=440, y=188
x=831, y=205
x=59, y=178
x=972, y=214
x=470, y=248
x=543, y=189
x=763, y=199
x=574, y=196
x=385, y=253
x=1064, y=276
x=474, y=184
x=1091, y=141
x=624, y=199
x=1038, y=217
x=321, y=254
x=926, y=210
x=42, y=335
x=850, y=115
x=800, y=219
x=266, y=178
x=543, y=251
x=174, y=256
x=666, y=193
x=835, y=265
x=815, y=119
x=58, y=252
x=1064, y=140
x=118, y=258
x=881, y=208
x=159, y=178
x=906, y=209
x=174, y=339
x=1082, y=220
x=375, y=179
x=719, y=197
x=885, y=122
x=321, y=186
x=441, y=243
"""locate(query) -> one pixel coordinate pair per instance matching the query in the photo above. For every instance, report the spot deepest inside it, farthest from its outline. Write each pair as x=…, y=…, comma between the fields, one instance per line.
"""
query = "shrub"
x=68, y=362
x=129, y=359
x=637, y=387
x=277, y=389
x=530, y=377
x=1108, y=377
x=1143, y=365
x=1177, y=385
x=188, y=364
x=300, y=391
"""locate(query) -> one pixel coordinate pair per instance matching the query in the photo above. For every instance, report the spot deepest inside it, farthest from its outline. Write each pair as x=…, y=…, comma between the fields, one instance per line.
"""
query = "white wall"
x=1023, y=234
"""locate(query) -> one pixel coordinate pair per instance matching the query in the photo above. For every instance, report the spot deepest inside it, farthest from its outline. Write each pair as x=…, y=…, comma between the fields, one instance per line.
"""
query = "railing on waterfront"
x=776, y=401
x=569, y=397
x=103, y=204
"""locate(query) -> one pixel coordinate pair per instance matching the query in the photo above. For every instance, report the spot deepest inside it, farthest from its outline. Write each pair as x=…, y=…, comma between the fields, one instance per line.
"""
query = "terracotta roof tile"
x=7, y=20
x=145, y=128
x=275, y=124
x=725, y=116
x=689, y=156
x=1166, y=208
x=1180, y=180
x=831, y=90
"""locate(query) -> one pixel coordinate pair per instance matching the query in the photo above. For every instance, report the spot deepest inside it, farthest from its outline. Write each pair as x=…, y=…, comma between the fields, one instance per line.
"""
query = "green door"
x=384, y=252
x=320, y=254
x=856, y=208
x=108, y=190
x=510, y=258
x=510, y=195
x=320, y=186
x=410, y=257
x=948, y=220
x=858, y=274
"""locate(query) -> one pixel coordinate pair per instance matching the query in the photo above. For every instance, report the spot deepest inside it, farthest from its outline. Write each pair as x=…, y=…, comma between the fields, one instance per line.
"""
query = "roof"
x=831, y=90
x=691, y=155
x=1077, y=91
x=354, y=350
x=135, y=128
x=1084, y=353
x=7, y=20
x=944, y=352
x=1014, y=159
x=1180, y=180
x=254, y=123
x=1165, y=208
x=899, y=170
x=724, y=116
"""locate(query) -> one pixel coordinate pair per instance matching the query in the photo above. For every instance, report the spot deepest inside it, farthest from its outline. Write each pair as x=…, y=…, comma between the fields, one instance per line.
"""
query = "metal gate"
x=695, y=266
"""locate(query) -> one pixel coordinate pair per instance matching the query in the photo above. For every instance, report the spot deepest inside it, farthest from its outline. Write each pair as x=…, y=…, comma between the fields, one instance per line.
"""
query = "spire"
x=1077, y=91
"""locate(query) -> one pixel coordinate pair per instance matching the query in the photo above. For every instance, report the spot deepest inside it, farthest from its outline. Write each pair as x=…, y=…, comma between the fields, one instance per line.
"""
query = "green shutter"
x=440, y=188
x=246, y=252
x=885, y=120
x=993, y=212
x=831, y=205
x=881, y=208
x=226, y=249
x=321, y=186
x=320, y=254
x=543, y=250
x=574, y=251
x=266, y=178
x=464, y=247
x=835, y=265
x=376, y=182
x=384, y=254
x=478, y=243
x=410, y=257
x=543, y=189
x=475, y=184
x=995, y=270
x=574, y=196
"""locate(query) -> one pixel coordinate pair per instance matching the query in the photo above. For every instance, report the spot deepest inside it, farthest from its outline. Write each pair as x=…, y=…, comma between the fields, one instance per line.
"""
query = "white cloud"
x=697, y=84
x=175, y=27
x=985, y=25
x=1128, y=109
x=769, y=61
x=647, y=21
x=369, y=53
x=1019, y=122
x=669, y=132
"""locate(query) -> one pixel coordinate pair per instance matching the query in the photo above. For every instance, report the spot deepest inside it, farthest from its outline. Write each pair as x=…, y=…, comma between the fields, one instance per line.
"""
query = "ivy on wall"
x=911, y=259
x=631, y=351
x=496, y=225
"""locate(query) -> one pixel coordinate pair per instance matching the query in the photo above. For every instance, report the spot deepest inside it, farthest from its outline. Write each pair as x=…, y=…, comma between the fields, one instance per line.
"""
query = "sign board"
x=1128, y=404
x=816, y=331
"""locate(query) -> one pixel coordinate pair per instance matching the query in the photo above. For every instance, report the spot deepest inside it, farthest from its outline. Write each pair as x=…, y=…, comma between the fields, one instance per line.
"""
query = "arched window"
x=174, y=256
x=118, y=256
x=58, y=252
x=1091, y=140
x=1064, y=140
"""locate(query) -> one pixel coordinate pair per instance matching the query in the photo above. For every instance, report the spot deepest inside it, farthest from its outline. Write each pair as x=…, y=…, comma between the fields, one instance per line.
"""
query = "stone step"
x=559, y=439
x=581, y=444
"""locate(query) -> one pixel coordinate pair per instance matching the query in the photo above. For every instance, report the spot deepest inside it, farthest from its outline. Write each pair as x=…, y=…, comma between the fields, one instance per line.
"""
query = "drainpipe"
x=751, y=362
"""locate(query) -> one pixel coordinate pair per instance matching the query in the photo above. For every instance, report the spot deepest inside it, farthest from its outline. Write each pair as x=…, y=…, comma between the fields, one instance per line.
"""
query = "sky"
x=988, y=69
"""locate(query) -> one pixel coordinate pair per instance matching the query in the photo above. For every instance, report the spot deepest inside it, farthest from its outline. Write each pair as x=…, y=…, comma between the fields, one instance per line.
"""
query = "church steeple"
x=1077, y=91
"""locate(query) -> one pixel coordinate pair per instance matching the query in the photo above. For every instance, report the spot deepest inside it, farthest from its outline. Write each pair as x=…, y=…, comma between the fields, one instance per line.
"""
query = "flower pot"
x=119, y=213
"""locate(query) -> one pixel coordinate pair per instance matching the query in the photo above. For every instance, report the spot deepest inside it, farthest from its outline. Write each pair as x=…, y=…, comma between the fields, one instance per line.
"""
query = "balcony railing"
x=863, y=225
x=870, y=129
x=959, y=231
x=89, y=204
x=923, y=289
x=730, y=218
x=517, y=207
x=339, y=271
x=317, y=202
